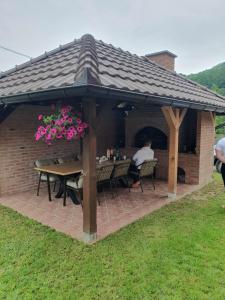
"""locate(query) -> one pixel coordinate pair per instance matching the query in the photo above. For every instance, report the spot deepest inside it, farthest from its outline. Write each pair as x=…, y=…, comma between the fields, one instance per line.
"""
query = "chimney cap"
x=160, y=53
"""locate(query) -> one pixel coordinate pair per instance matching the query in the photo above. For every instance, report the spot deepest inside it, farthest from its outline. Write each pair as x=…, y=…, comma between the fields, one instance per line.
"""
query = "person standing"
x=220, y=154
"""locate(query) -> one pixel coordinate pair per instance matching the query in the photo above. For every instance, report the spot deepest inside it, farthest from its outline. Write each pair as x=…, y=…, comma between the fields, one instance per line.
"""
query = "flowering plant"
x=62, y=124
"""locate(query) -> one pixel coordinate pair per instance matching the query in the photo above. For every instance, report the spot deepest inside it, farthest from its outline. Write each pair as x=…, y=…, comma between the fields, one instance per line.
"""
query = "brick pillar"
x=204, y=145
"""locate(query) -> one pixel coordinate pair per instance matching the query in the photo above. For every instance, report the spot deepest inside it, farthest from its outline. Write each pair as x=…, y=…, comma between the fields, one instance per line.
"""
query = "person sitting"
x=145, y=153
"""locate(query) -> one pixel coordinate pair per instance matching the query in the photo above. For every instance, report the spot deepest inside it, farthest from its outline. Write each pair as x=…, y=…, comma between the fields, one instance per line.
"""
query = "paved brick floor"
x=112, y=214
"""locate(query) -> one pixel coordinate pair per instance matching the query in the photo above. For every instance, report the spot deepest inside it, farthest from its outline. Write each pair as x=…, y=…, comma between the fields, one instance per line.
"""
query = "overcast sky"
x=192, y=29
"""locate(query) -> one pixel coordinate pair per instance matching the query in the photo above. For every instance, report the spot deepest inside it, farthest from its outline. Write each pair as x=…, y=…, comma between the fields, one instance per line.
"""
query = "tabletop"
x=67, y=169
x=62, y=169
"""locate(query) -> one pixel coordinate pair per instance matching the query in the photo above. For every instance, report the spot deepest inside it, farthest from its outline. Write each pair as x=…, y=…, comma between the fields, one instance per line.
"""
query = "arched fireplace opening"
x=158, y=138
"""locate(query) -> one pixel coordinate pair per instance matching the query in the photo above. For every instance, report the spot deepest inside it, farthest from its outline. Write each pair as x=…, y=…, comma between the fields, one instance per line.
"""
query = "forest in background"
x=213, y=79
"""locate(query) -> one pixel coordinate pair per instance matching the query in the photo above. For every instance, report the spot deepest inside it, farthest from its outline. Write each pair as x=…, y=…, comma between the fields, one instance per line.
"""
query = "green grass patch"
x=177, y=252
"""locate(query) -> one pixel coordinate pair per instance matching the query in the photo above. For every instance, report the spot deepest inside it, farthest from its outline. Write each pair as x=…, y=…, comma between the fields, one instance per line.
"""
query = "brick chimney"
x=164, y=58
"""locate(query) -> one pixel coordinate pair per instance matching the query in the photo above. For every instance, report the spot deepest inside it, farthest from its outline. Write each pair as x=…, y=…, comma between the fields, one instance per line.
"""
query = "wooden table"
x=64, y=170
x=68, y=169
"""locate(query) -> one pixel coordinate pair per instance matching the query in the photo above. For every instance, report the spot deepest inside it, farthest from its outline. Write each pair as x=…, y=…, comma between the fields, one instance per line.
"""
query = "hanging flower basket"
x=63, y=123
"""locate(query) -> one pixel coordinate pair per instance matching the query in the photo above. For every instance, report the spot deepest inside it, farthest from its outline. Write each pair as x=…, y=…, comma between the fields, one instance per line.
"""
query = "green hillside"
x=213, y=78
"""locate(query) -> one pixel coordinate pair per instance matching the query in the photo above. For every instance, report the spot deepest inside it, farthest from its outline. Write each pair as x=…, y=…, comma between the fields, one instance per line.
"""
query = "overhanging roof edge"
x=101, y=91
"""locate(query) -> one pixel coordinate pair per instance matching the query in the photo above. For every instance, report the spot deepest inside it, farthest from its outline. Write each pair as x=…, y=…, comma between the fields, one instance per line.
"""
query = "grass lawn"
x=177, y=252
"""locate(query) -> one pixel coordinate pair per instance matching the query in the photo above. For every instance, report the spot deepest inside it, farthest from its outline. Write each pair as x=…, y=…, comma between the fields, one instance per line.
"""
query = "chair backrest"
x=44, y=162
x=147, y=168
x=121, y=169
x=67, y=159
x=104, y=172
x=80, y=181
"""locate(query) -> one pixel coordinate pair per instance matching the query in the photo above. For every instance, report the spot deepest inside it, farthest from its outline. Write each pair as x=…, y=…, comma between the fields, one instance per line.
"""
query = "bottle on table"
x=108, y=153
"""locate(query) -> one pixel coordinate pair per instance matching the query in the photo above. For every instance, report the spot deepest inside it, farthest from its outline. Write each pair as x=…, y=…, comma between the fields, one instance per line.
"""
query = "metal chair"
x=147, y=170
x=121, y=172
x=103, y=175
x=74, y=184
x=43, y=177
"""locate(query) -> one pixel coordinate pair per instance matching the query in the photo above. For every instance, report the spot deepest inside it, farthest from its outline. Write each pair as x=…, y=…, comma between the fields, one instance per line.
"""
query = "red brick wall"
x=198, y=167
x=110, y=124
x=18, y=149
x=205, y=142
x=141, y=118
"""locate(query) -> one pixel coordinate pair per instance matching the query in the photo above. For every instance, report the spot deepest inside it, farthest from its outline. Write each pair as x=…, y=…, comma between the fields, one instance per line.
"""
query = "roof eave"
x=104, y=92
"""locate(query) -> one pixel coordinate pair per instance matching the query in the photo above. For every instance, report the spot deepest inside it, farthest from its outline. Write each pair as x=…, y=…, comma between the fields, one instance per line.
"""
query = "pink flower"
x=60, y=125
x=53, y=131
x=64, y=118
x=71, y=128
x=58, y=122
x=40, y=128
x=79, y=129
x=66, y=109
x=37, y=136
x=63, y=132
x=48, y=137
x=69, y=136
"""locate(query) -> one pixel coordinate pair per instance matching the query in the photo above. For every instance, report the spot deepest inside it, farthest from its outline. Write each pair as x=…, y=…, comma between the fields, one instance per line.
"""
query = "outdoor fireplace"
x=158, y=138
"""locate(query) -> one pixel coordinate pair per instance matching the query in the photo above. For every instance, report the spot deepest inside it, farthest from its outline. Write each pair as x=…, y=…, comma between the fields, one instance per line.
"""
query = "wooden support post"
x=174, y=119
x=89, y=167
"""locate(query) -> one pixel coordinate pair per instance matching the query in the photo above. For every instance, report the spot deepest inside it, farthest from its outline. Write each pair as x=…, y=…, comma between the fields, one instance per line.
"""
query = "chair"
x=147, y=170
x=75, y=184
x=121, y=172
x=43, y=177
x=67, y=159
x=103, y=175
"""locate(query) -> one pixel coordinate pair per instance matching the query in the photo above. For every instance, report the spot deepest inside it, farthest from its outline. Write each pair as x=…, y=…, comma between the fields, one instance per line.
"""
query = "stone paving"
x=112, y=214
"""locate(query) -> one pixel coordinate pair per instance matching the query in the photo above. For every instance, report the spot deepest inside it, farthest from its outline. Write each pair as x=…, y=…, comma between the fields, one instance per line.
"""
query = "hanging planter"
x=63, y=123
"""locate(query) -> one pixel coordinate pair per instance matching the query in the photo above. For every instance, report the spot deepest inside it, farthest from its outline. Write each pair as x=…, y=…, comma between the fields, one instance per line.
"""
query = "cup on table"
x=124, y=157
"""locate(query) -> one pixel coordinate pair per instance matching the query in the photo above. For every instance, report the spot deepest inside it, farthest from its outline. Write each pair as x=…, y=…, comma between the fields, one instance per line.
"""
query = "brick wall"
x=143, y=117
x=18, y=149
x=110, y=124
x=198, y=167
x=205, y=142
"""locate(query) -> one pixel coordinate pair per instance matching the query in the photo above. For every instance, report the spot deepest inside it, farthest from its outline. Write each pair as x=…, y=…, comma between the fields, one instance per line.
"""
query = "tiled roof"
x=92, y=62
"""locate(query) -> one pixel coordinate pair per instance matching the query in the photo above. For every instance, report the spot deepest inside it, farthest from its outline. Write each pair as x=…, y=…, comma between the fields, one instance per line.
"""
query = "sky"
x=194, y=30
